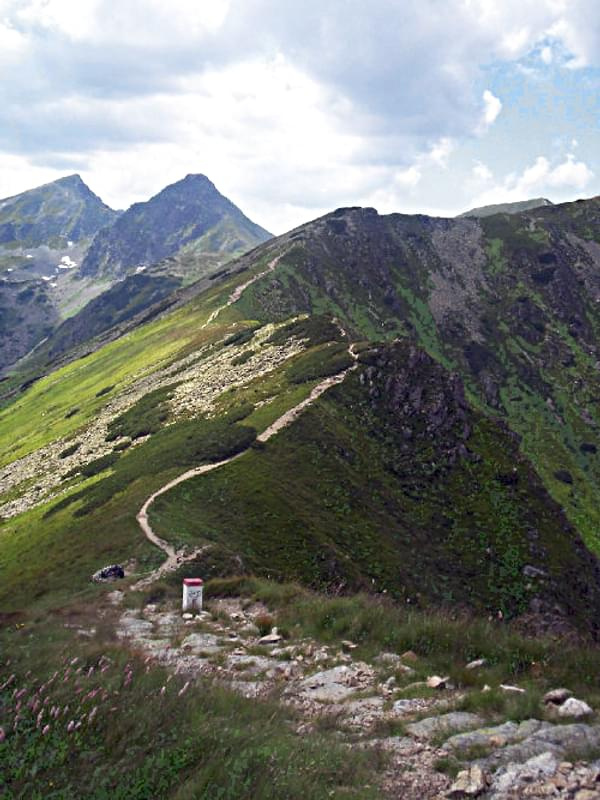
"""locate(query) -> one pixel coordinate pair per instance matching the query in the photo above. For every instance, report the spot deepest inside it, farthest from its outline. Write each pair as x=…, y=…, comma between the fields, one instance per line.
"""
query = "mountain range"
x=61, y=247
x=472, y=417
x=375, y=438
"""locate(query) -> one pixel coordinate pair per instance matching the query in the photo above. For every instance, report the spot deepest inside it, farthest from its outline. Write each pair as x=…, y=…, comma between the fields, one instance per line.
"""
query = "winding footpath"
x=175, y=558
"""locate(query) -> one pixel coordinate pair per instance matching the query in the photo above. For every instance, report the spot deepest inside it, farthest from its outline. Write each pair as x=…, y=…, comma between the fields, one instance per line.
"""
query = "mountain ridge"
x=184, y=212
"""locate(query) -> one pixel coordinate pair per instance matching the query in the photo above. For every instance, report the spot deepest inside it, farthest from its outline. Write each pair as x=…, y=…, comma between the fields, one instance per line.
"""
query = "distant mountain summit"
x=190, y=217
x=507, y=208
x=53, y=214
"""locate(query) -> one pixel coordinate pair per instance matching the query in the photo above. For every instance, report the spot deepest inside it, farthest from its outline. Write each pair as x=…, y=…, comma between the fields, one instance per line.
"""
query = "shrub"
x=320, y=363
x=143, y=418
x=68, y=451
x=242, y=358
x=105, y=390
x=264, y=623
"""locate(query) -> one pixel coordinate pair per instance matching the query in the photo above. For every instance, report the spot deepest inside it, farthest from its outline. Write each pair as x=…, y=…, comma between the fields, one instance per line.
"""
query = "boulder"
x=469, y=783
x=557, y=696
x=513, y=777
x=435, y=682
x=574, y=708
x=447, y=724
x=112, y=572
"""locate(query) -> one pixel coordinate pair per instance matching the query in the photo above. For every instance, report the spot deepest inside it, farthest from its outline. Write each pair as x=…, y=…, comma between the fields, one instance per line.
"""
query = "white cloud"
x=440, y=152
x=482, y=172
x=571, y=174
x=492, y=106
x=290, y=108
x=541, y=178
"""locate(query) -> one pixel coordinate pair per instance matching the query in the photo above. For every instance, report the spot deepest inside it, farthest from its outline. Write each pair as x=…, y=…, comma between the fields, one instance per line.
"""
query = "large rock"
x=336, y=684
x=577, y=709
x=199, y=643
x=112, y=572
x=492, y=737
x=469, y=783
x=509, y=780
x=444, y=724
x=577, y=740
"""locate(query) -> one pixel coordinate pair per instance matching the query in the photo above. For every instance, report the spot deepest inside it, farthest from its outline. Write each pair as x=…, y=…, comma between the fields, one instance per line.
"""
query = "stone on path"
x=409, y=705
x=576, y=739
x=336, y=684
x=495, y=736
x=201, y=643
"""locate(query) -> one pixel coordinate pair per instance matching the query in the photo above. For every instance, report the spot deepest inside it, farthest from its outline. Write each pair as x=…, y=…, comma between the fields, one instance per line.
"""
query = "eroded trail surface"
x=383, y=701
x=239, y=290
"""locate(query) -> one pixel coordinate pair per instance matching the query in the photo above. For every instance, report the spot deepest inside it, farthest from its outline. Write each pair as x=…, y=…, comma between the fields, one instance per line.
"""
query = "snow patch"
x=67, y=262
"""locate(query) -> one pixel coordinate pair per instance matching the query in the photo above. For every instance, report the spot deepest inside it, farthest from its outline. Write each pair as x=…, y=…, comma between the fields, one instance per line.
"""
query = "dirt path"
x=239, y=290
x=175, y=558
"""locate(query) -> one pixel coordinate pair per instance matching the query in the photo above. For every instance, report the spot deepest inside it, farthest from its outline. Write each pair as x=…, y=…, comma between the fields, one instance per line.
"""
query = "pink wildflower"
x=71, y=726
x=163, y=690
x=184, y=689
x=2, y=734
x=45, y=730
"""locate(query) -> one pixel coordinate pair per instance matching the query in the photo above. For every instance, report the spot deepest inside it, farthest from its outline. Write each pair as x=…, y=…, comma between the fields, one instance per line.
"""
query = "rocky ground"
x=432, y=750
x=198, y=379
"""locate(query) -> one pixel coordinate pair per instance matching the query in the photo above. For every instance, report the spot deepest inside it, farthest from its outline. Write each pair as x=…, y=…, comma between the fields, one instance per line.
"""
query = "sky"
x=293, y=109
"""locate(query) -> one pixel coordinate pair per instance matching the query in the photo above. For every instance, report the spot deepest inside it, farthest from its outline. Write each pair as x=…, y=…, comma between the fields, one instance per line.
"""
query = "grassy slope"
x=358, y=494
x=533, y=357
x=139, y=742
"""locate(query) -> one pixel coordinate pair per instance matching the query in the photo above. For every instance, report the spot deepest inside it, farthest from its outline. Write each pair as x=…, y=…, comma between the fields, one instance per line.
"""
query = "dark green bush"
x=143, y=418
x=68, y=451
x=327, y=360
x=105, y=390
x=242, y=358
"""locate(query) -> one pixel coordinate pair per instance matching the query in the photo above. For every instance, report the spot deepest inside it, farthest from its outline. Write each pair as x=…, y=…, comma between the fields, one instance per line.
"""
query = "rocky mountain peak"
x=184, y=216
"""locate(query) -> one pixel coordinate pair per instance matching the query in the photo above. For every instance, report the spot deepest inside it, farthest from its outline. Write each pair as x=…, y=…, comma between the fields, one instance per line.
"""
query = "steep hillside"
x=396, y=473
x=189, y=217
x=509, y=302
x=336, y=408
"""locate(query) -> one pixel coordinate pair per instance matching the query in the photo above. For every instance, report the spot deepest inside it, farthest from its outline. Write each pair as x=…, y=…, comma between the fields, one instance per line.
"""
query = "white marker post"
x=192, y=594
